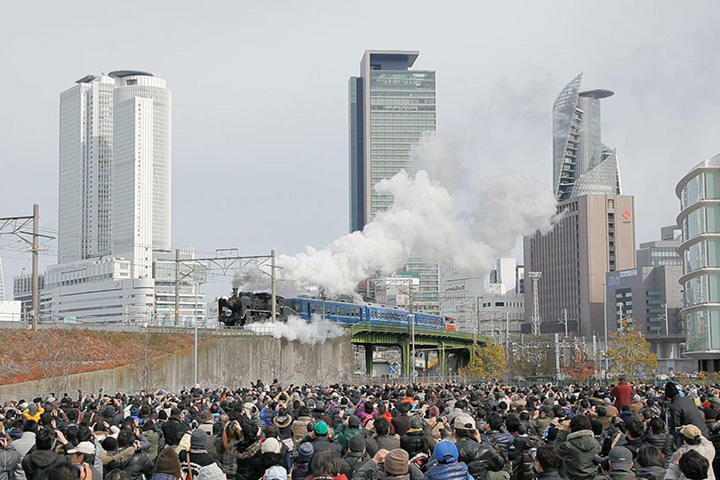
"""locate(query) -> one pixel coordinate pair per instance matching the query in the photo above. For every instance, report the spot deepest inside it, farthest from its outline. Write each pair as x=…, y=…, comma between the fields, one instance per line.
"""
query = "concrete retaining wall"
x=222, y=360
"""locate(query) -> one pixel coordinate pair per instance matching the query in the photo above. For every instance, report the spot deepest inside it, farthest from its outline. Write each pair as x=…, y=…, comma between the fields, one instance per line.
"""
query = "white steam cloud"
x=480, y=221
x=317, y=330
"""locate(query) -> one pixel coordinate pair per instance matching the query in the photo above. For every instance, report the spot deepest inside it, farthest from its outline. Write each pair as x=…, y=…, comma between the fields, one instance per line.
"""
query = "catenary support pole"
x=35, y=266
x=177, y=287
x=273, y=293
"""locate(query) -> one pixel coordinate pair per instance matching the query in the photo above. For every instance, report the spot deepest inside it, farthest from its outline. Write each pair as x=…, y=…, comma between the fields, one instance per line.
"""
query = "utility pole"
x=177, y=287
x=412, y=338
x=15, y=226
x=557, y=357
x=565, y=321
x=605, y=315
x=535, y=319
x=507, y=335
x=477, y=310
x=35, y=273
x=273, y=295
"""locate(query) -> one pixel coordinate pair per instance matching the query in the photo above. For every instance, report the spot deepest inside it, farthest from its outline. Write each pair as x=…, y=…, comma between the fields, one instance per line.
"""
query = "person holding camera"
x=577, y=446
x=9, y=457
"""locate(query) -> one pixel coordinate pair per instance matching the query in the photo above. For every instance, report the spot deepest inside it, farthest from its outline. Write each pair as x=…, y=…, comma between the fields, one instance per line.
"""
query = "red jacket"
x=623, y=395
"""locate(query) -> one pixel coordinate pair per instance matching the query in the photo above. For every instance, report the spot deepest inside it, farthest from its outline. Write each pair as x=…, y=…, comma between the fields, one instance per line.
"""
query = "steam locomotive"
x=243, y=308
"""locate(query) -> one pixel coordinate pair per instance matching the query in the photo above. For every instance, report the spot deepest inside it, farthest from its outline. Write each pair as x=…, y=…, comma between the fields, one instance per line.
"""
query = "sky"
x=260, y=138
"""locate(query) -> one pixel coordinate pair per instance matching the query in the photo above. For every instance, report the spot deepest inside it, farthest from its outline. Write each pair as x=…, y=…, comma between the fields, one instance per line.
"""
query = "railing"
x=382, y=328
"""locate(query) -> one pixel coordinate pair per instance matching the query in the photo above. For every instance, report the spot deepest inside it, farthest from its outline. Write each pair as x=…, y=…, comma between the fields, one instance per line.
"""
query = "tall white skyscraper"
x=115, y=169
x=142, y=164
x=86, y=139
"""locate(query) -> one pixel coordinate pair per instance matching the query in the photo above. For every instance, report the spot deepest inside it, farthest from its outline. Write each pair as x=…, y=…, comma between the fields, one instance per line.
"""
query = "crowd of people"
x=486, y=431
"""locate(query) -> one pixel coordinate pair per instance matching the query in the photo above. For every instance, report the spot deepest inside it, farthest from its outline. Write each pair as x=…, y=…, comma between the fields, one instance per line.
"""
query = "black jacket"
x=663, y=441
x=479, y=458
x=632, y=445
x=171, y=430
x=37, y=463
x=683, y=411
x=414, y=442
x=137, y=465
x=248, y=461
x=352, y=461
x=554, y=475
x=650, y=473
x=519, y=457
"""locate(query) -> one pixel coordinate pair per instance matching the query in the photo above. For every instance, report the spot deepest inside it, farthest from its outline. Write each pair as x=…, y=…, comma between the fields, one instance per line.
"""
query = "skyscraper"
x=390, y=108
x=115, y=167
x=699, y=219
x=115, y=205
x=86, y=141
x=596, y=233
x=141, y=168
x=582, y=164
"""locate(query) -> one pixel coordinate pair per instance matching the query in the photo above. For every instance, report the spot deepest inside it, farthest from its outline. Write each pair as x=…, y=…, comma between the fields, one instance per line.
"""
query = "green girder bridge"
x=444, y=341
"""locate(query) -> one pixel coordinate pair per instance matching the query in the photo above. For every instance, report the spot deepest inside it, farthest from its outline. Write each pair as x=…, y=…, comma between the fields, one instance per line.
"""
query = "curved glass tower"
x=582, y=165
x=699, y=219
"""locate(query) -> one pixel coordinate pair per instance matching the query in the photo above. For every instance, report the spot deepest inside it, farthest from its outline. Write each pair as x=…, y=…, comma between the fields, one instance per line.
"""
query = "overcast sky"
x=260, y=154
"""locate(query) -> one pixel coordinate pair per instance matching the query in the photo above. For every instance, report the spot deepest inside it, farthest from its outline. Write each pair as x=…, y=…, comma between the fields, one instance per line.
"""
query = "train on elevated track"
x=243, y=308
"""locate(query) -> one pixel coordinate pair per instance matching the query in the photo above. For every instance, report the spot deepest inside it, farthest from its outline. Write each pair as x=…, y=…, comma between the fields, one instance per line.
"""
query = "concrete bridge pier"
x=441, y=359
x=369, y=351
x=406, y=355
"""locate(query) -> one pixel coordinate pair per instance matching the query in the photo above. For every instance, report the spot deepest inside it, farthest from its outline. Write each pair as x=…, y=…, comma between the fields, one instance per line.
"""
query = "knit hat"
x=434, y=411
x=199, y=440
x=168, y=462
x=671, y=390
x=276, y=473
x=396, y=462
x=354, y=421
x=212, y=472
x=356, y=443
x=416, y=421
x=321, y=428
x=691, y=432
x=32, y=408
x=621, y=458
x=306, y=452
x=110, y=444
x=270, y=445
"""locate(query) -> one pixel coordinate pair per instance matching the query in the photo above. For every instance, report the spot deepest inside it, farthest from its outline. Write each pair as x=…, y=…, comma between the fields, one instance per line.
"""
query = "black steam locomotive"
x=243, y=308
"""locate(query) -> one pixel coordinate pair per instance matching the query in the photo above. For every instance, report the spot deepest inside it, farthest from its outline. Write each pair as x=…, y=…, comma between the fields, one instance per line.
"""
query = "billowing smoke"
x=480, y=221
x=317, y=330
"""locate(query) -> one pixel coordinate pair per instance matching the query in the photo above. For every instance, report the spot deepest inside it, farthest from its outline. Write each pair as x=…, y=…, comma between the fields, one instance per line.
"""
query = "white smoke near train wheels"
x=317, y=330
x=478, y=222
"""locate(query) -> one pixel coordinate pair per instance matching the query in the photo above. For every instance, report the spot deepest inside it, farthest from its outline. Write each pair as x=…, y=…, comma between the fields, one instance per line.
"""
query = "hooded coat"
x=577, y=450
x=706, y=449
x=37, y=463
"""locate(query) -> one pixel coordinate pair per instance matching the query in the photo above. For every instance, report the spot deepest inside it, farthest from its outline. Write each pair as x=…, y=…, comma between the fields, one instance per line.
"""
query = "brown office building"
x=595, y=235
